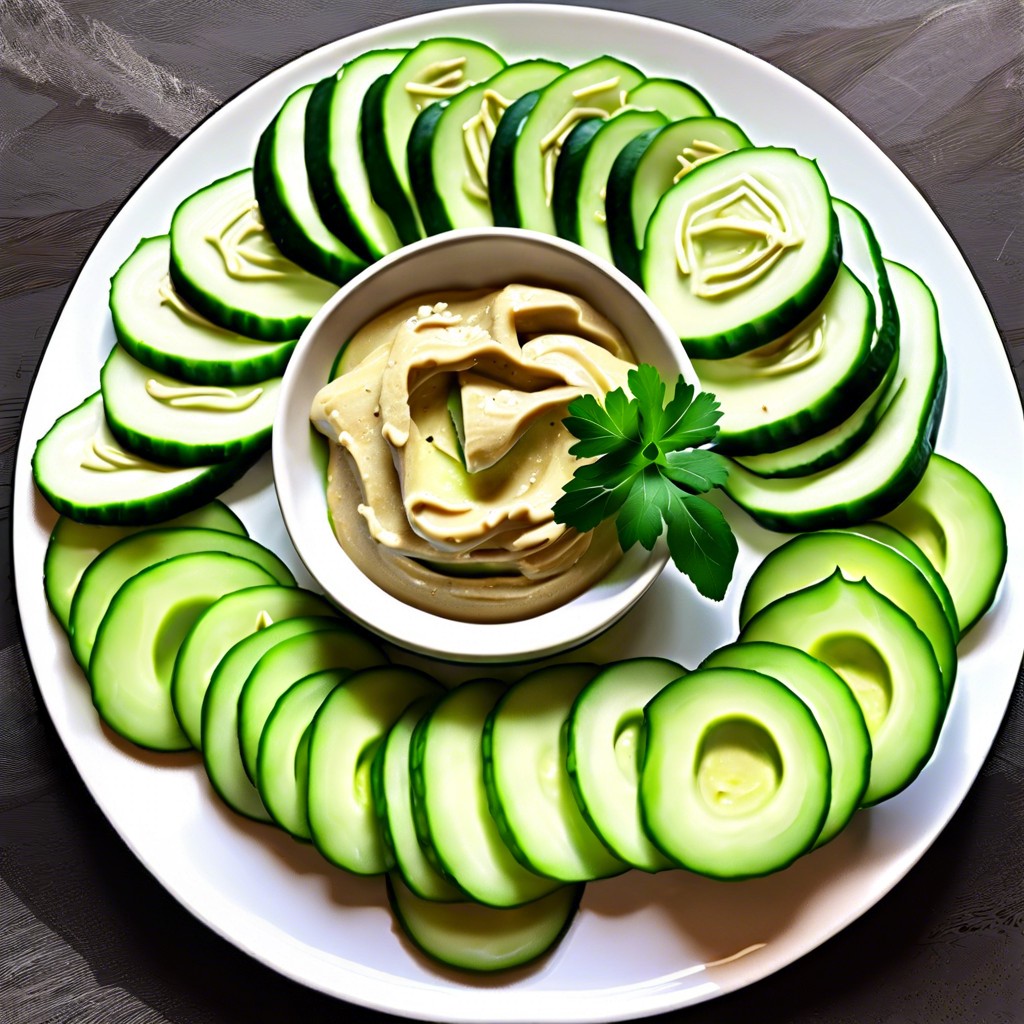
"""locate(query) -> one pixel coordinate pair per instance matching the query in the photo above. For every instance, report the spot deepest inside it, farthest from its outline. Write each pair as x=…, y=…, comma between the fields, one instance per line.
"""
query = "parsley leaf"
x=649, y=477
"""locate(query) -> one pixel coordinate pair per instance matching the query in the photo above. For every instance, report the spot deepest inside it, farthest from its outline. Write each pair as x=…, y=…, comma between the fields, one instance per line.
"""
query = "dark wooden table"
x=92, y=94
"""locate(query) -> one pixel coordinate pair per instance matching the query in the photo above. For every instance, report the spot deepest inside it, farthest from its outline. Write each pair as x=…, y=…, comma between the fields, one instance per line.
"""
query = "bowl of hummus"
x=420, y=445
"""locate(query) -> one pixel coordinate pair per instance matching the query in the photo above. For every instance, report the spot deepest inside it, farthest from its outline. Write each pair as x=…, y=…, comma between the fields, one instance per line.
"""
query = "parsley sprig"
x=647, y=473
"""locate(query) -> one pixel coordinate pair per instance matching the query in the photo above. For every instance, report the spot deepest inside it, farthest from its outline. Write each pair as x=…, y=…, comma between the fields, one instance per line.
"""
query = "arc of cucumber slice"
x=676, y=100
x=136, y=643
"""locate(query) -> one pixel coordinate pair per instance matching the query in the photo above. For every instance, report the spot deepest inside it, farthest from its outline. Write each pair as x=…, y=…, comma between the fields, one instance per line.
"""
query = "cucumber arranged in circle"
x=159, y=329
x=736, y=776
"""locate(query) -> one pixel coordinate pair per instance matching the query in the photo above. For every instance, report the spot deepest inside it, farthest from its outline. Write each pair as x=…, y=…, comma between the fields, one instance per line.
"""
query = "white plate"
x=641, y=944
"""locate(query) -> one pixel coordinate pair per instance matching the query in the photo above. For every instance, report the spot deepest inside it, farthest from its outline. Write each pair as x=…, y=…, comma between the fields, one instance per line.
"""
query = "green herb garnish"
x=648, y=473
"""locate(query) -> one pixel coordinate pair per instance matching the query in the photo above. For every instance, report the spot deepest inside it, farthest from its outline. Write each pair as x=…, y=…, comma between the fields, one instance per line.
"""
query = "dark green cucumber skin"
x=287, y=235
x=568, y=174
x=384, y=185
x=618, y=208
x=501, y=185
x=421, y=170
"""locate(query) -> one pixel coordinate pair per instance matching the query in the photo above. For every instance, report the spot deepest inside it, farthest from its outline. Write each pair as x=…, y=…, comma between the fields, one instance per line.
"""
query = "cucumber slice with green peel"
x=85, y=474
x=337, y=175
x=531, y=135
x=343, y=739
x=73, y=546
x=450, y=143
x=222, y=757
x=794, y=388
x=953, y=518
x=282, y=764
x=648, y=166
x=159, y=329
x=392, y=800
x=179, y=424
x=814, y=557
x=138, y=639
x=741, y=249
x=884, y=658
x=286, y=201
x=605, y=744
x=226, y=266
x=478, y=938
x=879, y=474
x=528, y=787
x=453, y=823
x=217, y=630
x=131, y=555
x=835, y=709
x=288, y=662
x=736, y=775
x=675, y=99
x=581, y=175
x=434, y=70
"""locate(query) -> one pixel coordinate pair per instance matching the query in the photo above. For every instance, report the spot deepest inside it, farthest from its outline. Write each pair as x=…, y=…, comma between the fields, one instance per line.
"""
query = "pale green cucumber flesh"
x=675, y=99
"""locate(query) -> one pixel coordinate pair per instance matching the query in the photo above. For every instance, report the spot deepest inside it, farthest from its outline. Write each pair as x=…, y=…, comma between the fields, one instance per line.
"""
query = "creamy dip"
x=448, y=449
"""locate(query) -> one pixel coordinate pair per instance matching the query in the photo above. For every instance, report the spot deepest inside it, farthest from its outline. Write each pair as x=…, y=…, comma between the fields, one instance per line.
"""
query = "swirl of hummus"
x=448, y=449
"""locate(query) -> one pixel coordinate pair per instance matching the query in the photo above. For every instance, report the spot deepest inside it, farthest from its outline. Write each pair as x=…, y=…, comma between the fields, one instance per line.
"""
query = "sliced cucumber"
x=434, y=70
x=528, y=787
x=217, y=630
x=605, y=745
x=226, y=266
x=450, y=143
x=337, y=173
x=138, y=639
x=953, y=518
x=478, y=938
x=885, y=659
x=675, y=99
x=736, y=775
x=887, y=466
x=835, y=709
x=82, y=471
x=166, y=420
x=73, y=546
x=286, y=201
x=343, y=740
x=741, y=250
x=159, y=329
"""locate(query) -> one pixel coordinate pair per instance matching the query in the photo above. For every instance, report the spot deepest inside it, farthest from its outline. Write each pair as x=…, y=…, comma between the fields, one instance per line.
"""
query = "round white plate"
x=641, y=944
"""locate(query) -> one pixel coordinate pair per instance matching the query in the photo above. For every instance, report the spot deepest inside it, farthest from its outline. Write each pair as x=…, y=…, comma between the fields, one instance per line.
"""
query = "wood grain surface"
x=92, y=94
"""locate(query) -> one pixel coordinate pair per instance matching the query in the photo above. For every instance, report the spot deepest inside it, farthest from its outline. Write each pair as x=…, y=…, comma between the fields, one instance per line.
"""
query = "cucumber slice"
x=816, y=556
x=217, y=630
x=530, y=137
x=790, y=390
x=885, y=659
x=337, y=175
x=648, y=167
x=225, y=265
x=835, y=709
x=159, y=329
x=434, y=70
x=108, y=571
x=741, y=250
x=675, y=99
x=179, y=424
x=605, y=744
x=889, y=464
x=528, y=787
x=221, y=755
x=450, y=143
x=477, y=938
x=286, y=201
x=581, y=175
x=73, y=546
x=392, y=800
x=82, y=471
x=138, y=639
x=953, y=518
x=343, y=740
x=453, y=822
x=736, y=775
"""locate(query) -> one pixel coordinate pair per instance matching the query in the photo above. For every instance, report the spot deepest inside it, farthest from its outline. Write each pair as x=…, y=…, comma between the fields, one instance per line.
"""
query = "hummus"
x=448, y=449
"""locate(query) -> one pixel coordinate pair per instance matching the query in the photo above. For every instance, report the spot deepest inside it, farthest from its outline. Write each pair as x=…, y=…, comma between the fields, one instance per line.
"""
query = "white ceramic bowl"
x=458, y=260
